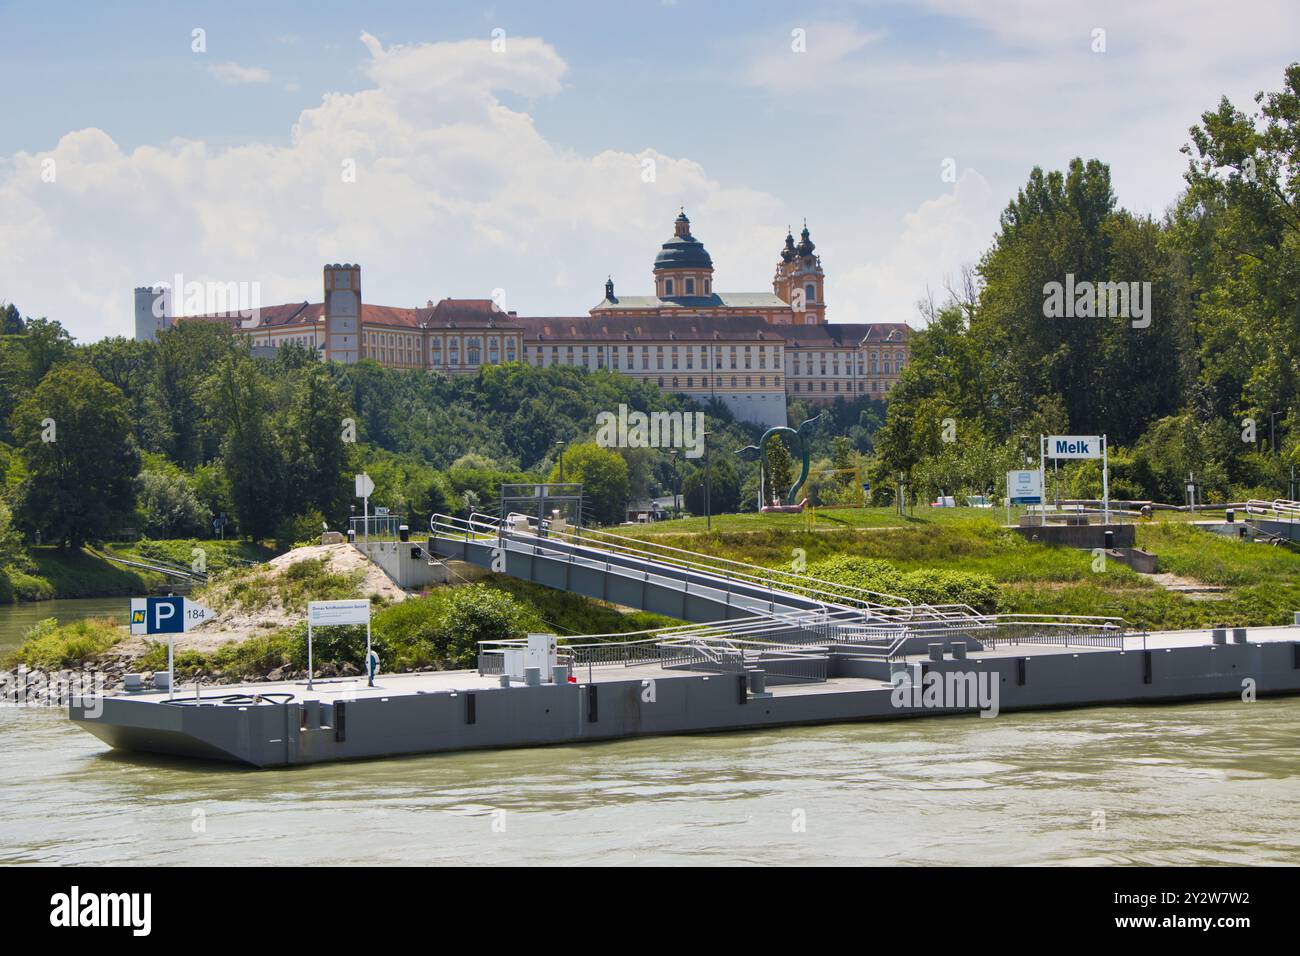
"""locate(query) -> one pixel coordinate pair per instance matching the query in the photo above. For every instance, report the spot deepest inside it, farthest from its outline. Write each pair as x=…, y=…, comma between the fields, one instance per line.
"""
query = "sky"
x=529, y=150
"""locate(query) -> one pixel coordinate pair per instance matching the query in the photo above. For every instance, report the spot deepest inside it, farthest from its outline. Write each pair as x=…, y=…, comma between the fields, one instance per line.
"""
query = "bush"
x=49, y=646
x=166, y=505
x=924, y=586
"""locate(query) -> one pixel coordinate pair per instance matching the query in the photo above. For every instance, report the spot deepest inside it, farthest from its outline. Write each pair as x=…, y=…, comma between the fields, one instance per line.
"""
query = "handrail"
x=930, y=617
x=763, y=580
x=475, y=521
x=644, y=547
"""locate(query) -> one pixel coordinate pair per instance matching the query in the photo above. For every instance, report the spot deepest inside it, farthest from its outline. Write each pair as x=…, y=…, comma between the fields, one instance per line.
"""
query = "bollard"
x=504, y=680
x=1219, y=636
x=533, y=676
x=310, y=715
x=1239, y=635
x=959, y=651
x=560, y=674
x=1108, y=540
x=1230, y=515
x=758, y=682
x=936, y=652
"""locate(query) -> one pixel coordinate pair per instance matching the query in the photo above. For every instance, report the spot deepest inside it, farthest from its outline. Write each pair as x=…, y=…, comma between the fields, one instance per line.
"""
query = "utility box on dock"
x=541, y=652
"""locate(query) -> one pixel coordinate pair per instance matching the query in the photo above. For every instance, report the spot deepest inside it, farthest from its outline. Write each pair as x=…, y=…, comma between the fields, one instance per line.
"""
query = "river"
x=16, y=619
x=1191, y=784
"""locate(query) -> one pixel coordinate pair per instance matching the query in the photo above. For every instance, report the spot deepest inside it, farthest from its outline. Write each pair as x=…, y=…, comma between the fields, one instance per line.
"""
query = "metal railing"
x=376, y=527
x=827, y=594
x=1279, y=509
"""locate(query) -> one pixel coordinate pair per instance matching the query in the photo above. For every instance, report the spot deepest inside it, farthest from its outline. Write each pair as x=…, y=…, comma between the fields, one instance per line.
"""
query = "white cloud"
x=935, y=242
x=455, y=194
x=235, y=74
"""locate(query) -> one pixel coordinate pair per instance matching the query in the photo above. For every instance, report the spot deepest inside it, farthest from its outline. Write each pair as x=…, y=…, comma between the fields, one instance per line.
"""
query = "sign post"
x=1105, y=482
x=329, y=613
x=365, y=487
x=170, y=616
x=1023, y=488
x=1079, y=447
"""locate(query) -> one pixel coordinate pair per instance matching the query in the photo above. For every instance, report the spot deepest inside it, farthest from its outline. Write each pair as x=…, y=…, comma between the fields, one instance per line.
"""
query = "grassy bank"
x=45, y=573
x=52, y=646
x=1263, y=582
x=49, y=573
x=439, y=630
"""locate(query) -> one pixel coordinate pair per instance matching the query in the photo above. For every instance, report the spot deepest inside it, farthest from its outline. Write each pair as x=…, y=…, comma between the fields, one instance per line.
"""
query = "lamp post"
x=708, y=485
x=677, y=484
x=560, y=445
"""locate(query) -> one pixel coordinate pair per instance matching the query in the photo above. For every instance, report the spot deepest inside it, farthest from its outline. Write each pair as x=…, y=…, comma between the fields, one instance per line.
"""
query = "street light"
x=708, y=485
x=560, y=445
x=677, y=484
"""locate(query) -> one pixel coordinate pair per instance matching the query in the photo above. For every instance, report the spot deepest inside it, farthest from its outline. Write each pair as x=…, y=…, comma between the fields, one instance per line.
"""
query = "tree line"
x=1207, y=383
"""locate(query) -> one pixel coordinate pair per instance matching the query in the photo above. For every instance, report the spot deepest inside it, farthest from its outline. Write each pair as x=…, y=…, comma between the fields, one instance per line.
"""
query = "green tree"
x=251, y=452
x=780, y=469
x=75, y=433
x=167, y=506
x=724, y=487
x=604, y=478
x=313, y=439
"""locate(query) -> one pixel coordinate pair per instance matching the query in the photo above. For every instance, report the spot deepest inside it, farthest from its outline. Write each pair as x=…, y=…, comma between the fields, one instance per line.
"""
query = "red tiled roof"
x=467, y=312
x=464, y=312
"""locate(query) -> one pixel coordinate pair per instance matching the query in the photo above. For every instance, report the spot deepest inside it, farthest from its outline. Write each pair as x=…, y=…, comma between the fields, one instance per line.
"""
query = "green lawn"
x=1263, y=581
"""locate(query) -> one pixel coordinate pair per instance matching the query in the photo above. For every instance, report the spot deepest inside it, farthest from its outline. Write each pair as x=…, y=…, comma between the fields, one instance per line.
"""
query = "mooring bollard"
x=1239, y=635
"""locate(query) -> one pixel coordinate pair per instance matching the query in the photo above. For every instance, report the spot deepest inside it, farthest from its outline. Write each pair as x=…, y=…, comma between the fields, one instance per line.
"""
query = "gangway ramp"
x=681, y=584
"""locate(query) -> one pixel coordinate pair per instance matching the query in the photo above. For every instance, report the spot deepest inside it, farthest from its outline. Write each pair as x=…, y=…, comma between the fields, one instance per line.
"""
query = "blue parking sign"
x=165, y=615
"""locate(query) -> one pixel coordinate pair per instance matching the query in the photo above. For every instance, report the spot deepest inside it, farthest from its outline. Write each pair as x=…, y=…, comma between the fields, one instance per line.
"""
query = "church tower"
x=799, y=279
x=683, y=268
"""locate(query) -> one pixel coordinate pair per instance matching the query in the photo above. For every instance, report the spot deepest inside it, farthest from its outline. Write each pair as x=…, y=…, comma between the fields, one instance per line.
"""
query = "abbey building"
x=751, y=350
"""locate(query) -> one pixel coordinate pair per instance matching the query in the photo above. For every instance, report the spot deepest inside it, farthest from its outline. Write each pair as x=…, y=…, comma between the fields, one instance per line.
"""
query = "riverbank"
x=48, y=573
x=1215, y=579
x=259, y=632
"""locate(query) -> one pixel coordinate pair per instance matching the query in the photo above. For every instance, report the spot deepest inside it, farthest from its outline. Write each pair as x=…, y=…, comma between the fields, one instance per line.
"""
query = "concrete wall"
x=406, y=571
x=1078, y=536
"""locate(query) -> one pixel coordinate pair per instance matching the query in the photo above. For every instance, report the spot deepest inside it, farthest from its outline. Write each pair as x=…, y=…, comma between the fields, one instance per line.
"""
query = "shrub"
x=50, y=645
x=924, y=586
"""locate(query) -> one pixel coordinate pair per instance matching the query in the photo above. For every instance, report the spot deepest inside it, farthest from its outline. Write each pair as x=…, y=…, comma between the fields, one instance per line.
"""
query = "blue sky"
x=523, y=169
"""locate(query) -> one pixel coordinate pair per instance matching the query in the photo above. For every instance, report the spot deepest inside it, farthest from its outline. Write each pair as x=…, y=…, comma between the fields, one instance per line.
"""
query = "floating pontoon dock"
x=689, y=689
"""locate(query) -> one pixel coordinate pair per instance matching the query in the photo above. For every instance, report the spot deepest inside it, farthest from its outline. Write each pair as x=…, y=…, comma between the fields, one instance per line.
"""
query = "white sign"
x=365, y=486
x=1024, y=488
x=1073, y=446
x=321, y=613
x=166, y=615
